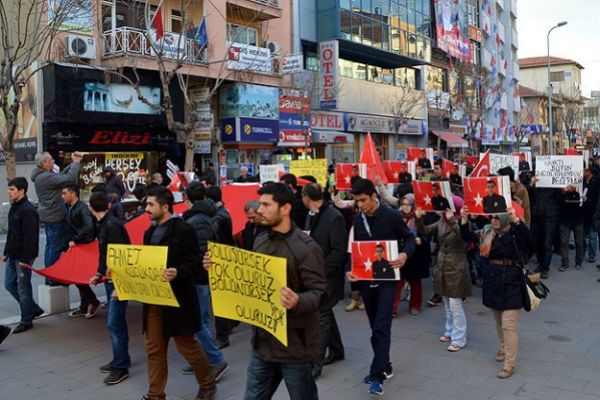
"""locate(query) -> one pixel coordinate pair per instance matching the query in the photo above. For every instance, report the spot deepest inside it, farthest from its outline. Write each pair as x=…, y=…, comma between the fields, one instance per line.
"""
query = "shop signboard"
x=73, y=16
x=292, y=64
x=202, y=147
x=294, y=121
x=240, y=129
x=327, y=121
x=328, y=73
x=410, y=127
x=120, y=98
x=245, y=57
x=248, y=100
x=370, y=123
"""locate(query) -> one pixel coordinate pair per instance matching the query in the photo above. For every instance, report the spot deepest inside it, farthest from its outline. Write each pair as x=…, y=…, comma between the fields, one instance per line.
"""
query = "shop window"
x=242, y=34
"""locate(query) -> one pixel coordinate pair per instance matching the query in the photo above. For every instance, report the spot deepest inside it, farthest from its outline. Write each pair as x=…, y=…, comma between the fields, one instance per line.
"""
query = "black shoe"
x=206, y=394
x=330, y=359
x=188, y=370
x=544, y=274
x=107, y=368
x=221, y=344
x=219, y=370
x=5, y=332
x=22, y=328
x=38, y=313
x=434, y=301
x=317, y=372
x=116, y=376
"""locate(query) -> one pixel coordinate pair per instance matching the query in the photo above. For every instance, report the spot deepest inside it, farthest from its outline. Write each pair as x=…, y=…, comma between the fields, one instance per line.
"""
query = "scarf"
x=489, y=234
x=409, y=218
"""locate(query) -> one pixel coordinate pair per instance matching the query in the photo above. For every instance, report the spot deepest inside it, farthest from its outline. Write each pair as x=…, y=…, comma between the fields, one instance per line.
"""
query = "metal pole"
x=550, y=127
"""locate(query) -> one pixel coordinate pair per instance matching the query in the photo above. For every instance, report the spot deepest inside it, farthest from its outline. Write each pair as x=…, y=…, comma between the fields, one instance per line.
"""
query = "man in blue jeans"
x=111, y=230
x=52, y=210
x=201, y=216
x=21, y=249
x=376, y=222
x=271, y=361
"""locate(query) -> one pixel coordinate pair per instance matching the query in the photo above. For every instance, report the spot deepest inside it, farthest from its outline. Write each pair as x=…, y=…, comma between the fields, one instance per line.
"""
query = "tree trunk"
x=11, y=164
x=189, y=151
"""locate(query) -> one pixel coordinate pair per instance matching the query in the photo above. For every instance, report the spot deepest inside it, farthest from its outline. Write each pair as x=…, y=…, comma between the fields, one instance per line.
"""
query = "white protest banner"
x=498, y=161
x=558, y=171
x=270, y=173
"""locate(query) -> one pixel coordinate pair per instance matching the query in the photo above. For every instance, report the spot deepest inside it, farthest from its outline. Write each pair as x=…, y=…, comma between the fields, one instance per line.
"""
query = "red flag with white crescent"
x=483, y=166
x=423, y=191
x=345, y=172
x=447, y=168
x=370, y=156
x=393, y=169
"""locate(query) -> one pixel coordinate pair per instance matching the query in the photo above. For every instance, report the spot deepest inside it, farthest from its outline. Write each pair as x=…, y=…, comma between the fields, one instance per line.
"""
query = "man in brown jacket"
x=271, y=361
x=519, y=193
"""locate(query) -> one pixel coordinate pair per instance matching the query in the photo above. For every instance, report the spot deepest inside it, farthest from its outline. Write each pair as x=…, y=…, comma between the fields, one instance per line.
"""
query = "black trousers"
x=87, y=297
x=329, y=336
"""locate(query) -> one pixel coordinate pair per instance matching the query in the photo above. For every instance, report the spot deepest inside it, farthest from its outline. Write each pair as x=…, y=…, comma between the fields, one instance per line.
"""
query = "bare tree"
x=572, y=111
x=406, y=102
x=26, y=35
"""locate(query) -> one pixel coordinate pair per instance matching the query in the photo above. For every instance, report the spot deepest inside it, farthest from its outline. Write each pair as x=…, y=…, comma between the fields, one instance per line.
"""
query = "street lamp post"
x=550, y=128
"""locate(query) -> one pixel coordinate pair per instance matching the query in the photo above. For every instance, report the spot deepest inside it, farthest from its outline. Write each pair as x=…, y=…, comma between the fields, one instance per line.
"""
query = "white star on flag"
x=427, y=200
x=396, y=175
x=368, y=264
x=347, y=178
x=478, y=200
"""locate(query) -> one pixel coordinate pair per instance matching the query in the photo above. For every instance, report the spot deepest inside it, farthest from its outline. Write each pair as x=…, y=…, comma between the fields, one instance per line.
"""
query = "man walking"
x=377, y=222
x=201, y=216
x=51, y=209
x=161, y=322
x=271, y=361
x=327, y=227
x=111, y=230
x=80, y=231
x=21, y=249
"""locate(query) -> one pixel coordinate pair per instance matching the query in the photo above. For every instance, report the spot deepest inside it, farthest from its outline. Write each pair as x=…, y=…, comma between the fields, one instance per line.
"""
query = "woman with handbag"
x=450, y=275
x=503, y=244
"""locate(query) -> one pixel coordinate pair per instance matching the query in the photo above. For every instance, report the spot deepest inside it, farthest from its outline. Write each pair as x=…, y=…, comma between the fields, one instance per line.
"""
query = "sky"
x=579, y=40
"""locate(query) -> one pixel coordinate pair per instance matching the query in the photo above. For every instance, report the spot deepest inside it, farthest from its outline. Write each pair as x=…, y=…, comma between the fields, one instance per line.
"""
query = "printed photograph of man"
x=493, y=203
x=438, y=201
x=381, y=266
x=404, y=176
x=424, y=162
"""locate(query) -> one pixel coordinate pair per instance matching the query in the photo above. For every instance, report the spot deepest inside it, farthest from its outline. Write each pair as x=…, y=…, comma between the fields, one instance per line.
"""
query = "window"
x=473, y=12
x=475, y=52
x=242, y=34
x=437, y=80
x=176, y=21
x=107, y=16
x=557, y=76
x=406, y=77
x=311, y=62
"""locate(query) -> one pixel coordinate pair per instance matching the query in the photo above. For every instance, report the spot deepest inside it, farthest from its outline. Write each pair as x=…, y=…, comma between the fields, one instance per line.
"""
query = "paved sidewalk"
x=559, y=355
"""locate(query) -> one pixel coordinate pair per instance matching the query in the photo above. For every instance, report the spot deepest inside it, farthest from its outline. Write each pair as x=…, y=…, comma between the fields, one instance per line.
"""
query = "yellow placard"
x=246, y=287
x=316, y=168
x=137, y=273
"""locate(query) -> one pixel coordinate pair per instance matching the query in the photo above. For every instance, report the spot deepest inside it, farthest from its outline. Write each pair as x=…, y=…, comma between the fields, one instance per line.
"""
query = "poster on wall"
x=248, y=100
x=76, y=16
x=120, y=98
x=26, y=135
x=452, y=28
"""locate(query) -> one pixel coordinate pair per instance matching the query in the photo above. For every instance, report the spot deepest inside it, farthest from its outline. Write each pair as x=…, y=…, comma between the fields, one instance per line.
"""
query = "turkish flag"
x=483, y=166
x=423, y=191
x=472, y=160
x=475, y=192
x=344, y=173
x=447, y=168
x=157, y=22
x=364, y=260
x=571, y=152
x=393, y=169
x=370, y=156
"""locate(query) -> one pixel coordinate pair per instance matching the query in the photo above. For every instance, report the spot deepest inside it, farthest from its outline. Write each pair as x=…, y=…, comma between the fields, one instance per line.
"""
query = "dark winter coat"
x=114, y=184
x=305, y=276
x=545, y=203
x=23, y=232
x=111, y=230
x=201, y=216
x=48, y=185
x=328, y=229
x=81, y=225
x=224, y=225
x=417, y=266
x=503, y=283
x=451, y=273
x=589, y=205
x=245, y=238
x=184, y=255
x=571, y=211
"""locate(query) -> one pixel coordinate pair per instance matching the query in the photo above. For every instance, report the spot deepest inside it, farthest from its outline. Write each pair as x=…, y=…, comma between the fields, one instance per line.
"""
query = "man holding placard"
x=271, y=360
x=162, y=322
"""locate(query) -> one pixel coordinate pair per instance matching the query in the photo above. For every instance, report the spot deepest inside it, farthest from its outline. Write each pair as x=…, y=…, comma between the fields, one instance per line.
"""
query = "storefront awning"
x=451, y=139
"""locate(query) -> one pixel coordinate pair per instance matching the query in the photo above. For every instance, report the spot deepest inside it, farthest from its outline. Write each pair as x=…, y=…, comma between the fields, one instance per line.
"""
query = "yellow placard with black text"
x=316, y=168
x=137, y=273
x=246, y=287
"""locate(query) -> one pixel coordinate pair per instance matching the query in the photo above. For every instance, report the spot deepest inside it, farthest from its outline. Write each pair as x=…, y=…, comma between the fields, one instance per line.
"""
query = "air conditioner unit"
x=273, y=47
x=81, y=47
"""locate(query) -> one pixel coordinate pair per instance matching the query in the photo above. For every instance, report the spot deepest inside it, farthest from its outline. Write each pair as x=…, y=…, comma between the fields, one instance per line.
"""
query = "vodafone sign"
x=328, y=74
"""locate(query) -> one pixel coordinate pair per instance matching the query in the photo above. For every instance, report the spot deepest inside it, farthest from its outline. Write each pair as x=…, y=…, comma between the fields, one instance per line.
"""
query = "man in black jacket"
x=111, y=230
x=376, y=223
x=253, y=228
x=201, y=216
x=327, y=227
x=81, y=230
x=162, y=322
x=114, y=183
x=21, y=249
x=271, y=361
x=544, y=224
x=571, y=220
x=298, y=210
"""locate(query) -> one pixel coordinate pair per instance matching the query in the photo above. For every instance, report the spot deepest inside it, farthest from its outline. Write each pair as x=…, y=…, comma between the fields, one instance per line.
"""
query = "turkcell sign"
x=241, y=129
x=328, y=73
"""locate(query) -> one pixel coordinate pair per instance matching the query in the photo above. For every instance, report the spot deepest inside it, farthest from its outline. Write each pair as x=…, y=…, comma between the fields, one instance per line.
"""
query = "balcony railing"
x=128, y=40
x=271, y=3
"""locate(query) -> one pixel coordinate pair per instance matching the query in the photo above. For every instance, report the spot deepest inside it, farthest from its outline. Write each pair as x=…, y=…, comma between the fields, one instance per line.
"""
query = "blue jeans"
x=204, y=335
x=17, y=282
x=263, y=379
x=379, y=300
x=456, y=321
x=56, y=242
x=590, y=241
x=117, y=325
